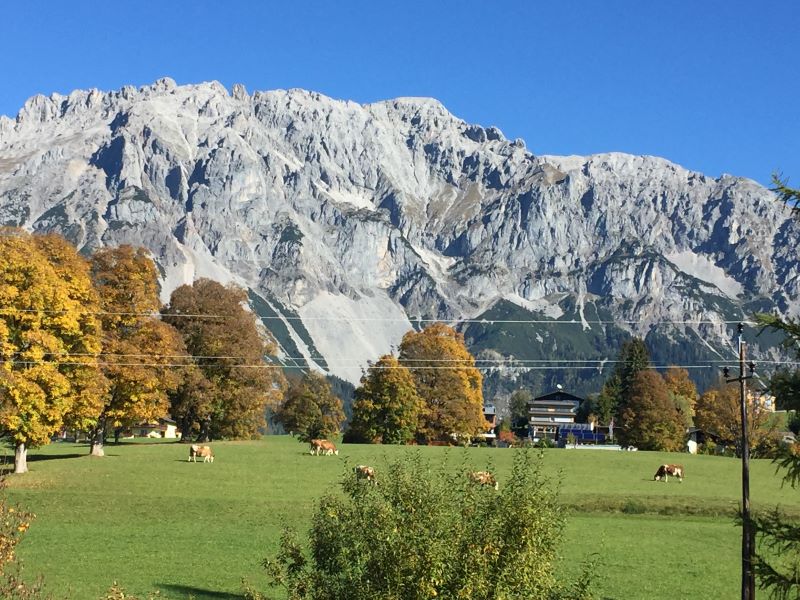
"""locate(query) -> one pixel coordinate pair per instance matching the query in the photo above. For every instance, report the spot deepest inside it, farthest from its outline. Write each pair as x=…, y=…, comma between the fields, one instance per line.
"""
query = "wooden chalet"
x=550, y=413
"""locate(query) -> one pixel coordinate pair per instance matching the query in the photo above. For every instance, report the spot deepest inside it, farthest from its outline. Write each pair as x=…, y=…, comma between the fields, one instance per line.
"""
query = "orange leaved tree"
x=140, y=352
x=447, y=380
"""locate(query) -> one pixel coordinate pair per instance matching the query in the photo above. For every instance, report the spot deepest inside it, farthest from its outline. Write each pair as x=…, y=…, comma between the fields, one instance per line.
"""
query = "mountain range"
x=350, y=224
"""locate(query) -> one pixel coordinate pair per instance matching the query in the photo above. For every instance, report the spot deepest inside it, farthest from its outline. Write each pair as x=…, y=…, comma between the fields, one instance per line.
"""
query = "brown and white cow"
x=366, y=473
x=483, y=478
x=329, y=448
x=664, y=472
x=325, y=447
x=203, y=452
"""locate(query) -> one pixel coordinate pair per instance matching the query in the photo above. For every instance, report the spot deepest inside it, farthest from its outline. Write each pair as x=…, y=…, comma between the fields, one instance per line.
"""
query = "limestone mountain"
x=351, y=223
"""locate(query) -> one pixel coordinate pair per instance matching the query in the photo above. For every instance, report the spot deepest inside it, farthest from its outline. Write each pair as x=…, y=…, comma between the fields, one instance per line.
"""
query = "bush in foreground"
x=421, y=533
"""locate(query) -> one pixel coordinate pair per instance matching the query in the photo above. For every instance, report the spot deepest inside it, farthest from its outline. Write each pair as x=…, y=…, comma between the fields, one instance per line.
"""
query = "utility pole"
x=748, y=541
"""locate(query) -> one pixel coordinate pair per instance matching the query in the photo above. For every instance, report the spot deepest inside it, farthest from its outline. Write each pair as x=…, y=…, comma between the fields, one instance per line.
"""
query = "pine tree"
x=632, y=359
x=777, y=564
x=518, y=406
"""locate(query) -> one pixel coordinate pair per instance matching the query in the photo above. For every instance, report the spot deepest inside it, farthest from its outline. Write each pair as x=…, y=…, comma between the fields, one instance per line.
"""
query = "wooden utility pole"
x=748, y=541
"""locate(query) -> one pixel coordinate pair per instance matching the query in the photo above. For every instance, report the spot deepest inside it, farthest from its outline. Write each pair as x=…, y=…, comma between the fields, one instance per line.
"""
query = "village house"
x=551, y=412
x=490, y=414
x=163, y=428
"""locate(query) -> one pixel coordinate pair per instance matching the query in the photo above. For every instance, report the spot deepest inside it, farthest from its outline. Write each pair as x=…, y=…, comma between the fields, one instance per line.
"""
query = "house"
x=761, y=399
x=490, y=414
x=697, y=437
x=551, y=412
x=163, y=428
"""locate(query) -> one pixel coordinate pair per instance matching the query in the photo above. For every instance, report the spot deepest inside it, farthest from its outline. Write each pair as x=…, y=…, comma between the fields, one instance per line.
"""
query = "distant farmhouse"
x=163, y=428
x=552, y=417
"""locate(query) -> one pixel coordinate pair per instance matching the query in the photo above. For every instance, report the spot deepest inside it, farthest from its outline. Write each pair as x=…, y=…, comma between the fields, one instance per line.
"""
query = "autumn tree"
x=139, y=349
x=633, y=358
x=719, y=411
x=682, y=392
x=229, y=345
x=387, y=408
x=191, y=404
x=310, y=410
x=49, y=339
x=649, y=419
x=446, y=379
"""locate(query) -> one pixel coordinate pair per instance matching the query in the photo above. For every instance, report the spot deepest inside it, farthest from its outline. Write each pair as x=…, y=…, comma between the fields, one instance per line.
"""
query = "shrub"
x=424, y=533
x=507, y=437
x=545, y=443
x=14, y=524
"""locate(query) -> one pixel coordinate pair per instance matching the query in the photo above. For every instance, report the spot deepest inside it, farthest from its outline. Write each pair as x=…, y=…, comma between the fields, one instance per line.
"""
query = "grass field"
x=147, y=518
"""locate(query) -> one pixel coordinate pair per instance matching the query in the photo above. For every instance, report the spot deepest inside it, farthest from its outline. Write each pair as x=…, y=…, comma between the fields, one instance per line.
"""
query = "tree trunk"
x=21, y=459
x=186, y=429
x=205, y=431
x=98, y=436
x=117, y=433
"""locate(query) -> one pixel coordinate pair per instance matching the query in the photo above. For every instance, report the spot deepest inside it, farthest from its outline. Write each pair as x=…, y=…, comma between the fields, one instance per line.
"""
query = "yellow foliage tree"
x=683, y=393
x=447, y=380
x=387, y=407
x=718, y=411
x=139, y=350
x=49, y=339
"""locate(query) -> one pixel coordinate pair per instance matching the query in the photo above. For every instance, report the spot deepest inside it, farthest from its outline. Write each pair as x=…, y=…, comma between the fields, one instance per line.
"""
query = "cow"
x=483, y=478
x=325, y=447
x=315, y=447
x=366, y=473
x=204, y=452
x=329, y=448
x=664, y=471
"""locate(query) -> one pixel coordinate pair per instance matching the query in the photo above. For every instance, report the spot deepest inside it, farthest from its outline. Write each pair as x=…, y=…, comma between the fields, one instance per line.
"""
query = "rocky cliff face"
x=349, y=222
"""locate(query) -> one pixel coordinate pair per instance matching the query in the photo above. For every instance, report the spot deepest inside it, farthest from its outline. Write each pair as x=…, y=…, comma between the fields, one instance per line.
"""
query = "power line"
x=536, y=367
x=412, y=320
x=343, y=360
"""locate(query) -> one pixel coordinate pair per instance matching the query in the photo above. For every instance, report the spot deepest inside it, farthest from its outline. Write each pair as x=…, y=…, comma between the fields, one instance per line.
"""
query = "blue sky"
x=711, y=85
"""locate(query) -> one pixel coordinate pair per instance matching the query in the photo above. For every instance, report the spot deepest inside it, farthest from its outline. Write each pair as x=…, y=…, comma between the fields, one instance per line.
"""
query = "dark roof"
x=558, y=396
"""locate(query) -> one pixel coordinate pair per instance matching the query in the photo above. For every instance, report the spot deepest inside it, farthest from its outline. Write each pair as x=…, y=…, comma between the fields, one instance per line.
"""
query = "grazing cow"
x=325, y=447
x=366, y=473
x=664, y=471
x=203, y=452
x=483, y=478
x=329, y=448
x=316, y=447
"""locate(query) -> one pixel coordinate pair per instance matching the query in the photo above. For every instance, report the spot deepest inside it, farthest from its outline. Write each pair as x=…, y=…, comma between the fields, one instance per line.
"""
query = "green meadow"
x=145, y=517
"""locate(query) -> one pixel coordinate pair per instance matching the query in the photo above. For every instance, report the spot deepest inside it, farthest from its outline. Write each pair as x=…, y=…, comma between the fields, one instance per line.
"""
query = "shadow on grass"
x=190, y=591
x=38, y=457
